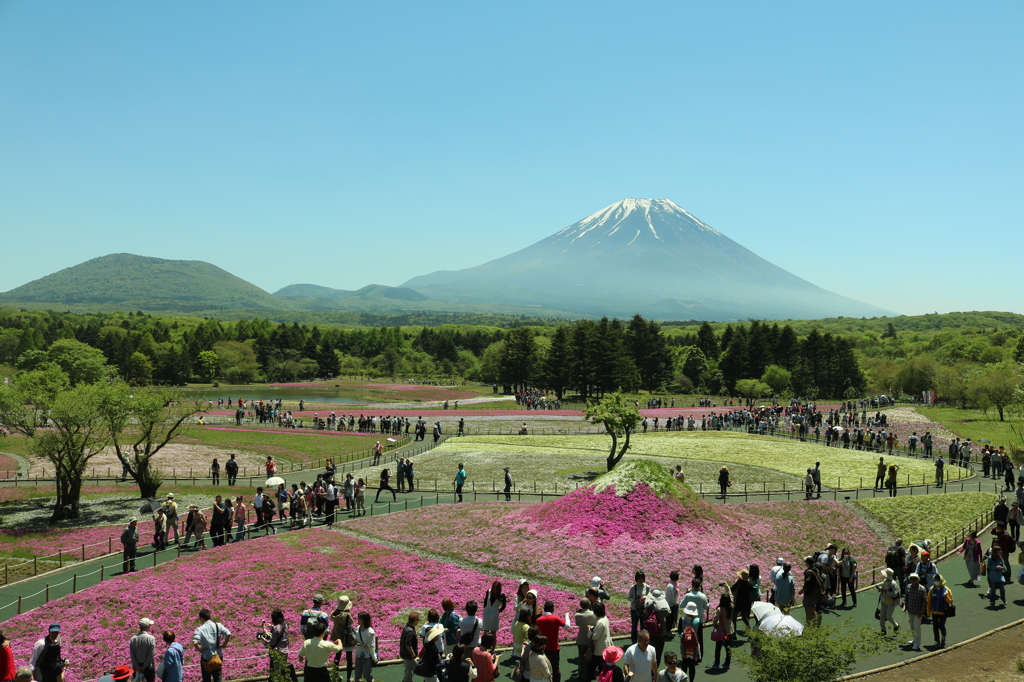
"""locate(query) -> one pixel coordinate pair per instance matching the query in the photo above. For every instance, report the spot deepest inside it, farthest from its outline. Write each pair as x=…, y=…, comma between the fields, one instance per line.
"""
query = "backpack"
x=892, y=559
x=607, y=673
x=688, y=642
x=652, y=623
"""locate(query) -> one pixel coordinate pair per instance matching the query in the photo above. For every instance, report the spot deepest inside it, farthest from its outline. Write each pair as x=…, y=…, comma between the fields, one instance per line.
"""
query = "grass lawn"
x=929, y=516
x=975, y=424
x=839, y=467
x=288, y=447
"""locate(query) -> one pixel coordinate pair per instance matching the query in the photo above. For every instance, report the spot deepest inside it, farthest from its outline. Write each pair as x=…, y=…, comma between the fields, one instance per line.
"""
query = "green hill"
x=123, y=281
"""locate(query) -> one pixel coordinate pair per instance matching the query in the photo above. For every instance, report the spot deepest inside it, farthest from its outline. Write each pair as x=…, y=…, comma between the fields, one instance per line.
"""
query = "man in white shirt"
x=640, y=661
x=257, y=506
x=774, y=574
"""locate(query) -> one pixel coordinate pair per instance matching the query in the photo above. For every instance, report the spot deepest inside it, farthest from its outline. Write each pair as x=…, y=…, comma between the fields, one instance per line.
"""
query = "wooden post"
x=110, y=545
x=7, y=578
x=60, y=558
x=83, y=551
x=154, y=558
x=19, y=604
x=74, y=584
x=35, y=566
x=47, y=600
x=103, y=568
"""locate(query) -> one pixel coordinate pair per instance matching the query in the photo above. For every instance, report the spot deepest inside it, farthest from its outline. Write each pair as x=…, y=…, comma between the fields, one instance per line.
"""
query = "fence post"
x=74, y=584
x=110, y=545
x=35, y=566
x=83, y=551
x=47, y=599
x=19, y=604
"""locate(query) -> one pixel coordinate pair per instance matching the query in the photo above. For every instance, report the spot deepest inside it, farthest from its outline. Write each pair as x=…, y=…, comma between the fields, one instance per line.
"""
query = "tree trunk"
x=614, y=458
x=69, y=491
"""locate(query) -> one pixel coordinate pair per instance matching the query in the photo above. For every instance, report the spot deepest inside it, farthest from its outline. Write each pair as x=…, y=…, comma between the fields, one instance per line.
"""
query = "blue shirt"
x=173, y=671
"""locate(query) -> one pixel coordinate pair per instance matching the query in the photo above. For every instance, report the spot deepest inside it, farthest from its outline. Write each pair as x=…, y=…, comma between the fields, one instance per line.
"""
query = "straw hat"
x=434, y=632
x=887, y=573
x=344, y=603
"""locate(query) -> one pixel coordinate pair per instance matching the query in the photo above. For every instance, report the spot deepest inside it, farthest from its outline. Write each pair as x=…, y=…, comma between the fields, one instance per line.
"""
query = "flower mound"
x=592, y=531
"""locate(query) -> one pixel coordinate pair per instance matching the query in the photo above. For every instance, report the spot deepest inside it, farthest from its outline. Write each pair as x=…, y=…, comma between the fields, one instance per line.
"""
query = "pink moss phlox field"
x=8, y=467
x=242, y=583
x=97, y=539
x=585, y=533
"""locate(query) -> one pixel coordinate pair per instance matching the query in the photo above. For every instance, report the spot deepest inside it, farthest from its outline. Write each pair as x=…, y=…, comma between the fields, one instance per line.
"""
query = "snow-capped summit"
x=640, y=255
x=632, y=220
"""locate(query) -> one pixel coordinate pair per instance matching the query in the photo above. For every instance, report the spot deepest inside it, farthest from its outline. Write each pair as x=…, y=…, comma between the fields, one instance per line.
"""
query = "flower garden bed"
x=241, y=583
x=586, y=533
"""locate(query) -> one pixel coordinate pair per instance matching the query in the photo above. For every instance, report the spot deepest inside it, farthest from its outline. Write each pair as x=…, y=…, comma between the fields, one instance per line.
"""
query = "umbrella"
x=983, y=440
x=781, y=624
x=392, y=440
x=763, y=609
x=274, y=480
x=150, y=506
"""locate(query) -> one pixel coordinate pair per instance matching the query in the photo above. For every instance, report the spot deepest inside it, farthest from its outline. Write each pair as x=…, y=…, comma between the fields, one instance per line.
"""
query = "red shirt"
x=6, y=663
x=549, y=624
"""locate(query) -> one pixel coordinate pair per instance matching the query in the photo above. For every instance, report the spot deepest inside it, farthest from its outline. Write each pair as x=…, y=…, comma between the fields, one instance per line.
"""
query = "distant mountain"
x=123, y=281
x=641, y=255
x=308, y=291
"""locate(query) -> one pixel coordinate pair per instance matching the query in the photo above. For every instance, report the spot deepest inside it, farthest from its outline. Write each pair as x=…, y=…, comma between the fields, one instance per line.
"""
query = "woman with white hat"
x=888, y=600
x=430, y=664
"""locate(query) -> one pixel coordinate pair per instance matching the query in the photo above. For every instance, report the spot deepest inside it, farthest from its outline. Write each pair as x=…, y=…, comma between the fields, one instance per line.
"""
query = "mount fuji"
x=641, y=255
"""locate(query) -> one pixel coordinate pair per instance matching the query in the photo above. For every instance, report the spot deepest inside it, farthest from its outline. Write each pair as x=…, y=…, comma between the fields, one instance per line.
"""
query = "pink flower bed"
x=241, y=583
x=584, y=534
x=97, y=540
x=8, y=467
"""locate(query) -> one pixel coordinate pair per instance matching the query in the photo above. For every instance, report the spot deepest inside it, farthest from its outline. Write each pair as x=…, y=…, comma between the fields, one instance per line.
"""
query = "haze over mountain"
x=641, y=255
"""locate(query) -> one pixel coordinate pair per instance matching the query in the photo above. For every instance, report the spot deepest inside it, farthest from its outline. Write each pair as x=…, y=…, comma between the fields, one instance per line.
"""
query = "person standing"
x=46, y=662
x=209, y=639
x=549, y=625
x=639, y=661
x=672, y=597
x=275, y=634
x=170, y=508
x=890, y=481
x=366, y=649
x=316, y=652
x=700, y=602
x=408, y=474
x=460, y=480
x=816, y=473
x=723, y=631
x=585, y=622
x=637, y=596
x=330, y=502
x=218, y=524
x=880, y=474
x=509, y=483
x=407, y=648
x=940, y=471
x=284, y=500
x=241, y=518
x=174, y=659
x=400, y=474
x=231, y=469
x=7, y=671
x=142, y=648
x=723, y=480
x=129, y=544
x=312, y=616
x=378, y=450
x=257, y=506
x=486, y=662
x=215, y=472
x=916, y=606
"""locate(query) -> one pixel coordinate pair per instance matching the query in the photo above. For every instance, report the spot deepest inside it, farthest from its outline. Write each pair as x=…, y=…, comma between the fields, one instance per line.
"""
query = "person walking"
x=209, y=639
x=848, y=575
x=880, y=474
x=129, y=544
x=816, y=472
x=940, y=597
x=218, y=524
x=585, y=622
x=890, y=481
x=142, y=649
x=47, y=663
x=916, y=606
x=723, y=480
x=639, y=662
x=971, y=549
x=889, y=592
x=995, y=572
x=159, y=530
x=460, y=480
x=170, y=508
x=723, y=630
x=407, y=647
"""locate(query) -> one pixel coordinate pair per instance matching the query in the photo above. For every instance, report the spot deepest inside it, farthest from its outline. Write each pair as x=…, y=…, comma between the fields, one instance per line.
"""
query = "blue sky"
x=872, y=148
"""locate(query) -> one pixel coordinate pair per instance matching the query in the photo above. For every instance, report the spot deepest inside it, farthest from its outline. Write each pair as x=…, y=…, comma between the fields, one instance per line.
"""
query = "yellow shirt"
x=317, y=651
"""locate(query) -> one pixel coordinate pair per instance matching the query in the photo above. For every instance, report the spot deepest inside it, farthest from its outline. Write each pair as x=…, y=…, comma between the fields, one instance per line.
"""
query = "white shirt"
x=671, y=595
x=641, y=663
x=467, y=625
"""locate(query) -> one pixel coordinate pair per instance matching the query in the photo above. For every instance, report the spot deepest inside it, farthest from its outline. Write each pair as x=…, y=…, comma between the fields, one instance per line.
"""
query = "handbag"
x=161, y=669
x=588, y=655
x=718, y=636
x=213, y=664
x=950, y=611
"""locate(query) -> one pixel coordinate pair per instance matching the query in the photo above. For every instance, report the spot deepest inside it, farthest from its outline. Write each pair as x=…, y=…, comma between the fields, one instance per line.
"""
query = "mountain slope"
x=641, y=255
x=128, y=282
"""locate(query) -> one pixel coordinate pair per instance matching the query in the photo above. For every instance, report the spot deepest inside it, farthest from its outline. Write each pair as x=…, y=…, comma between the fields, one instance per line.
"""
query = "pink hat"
x=612, y=654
